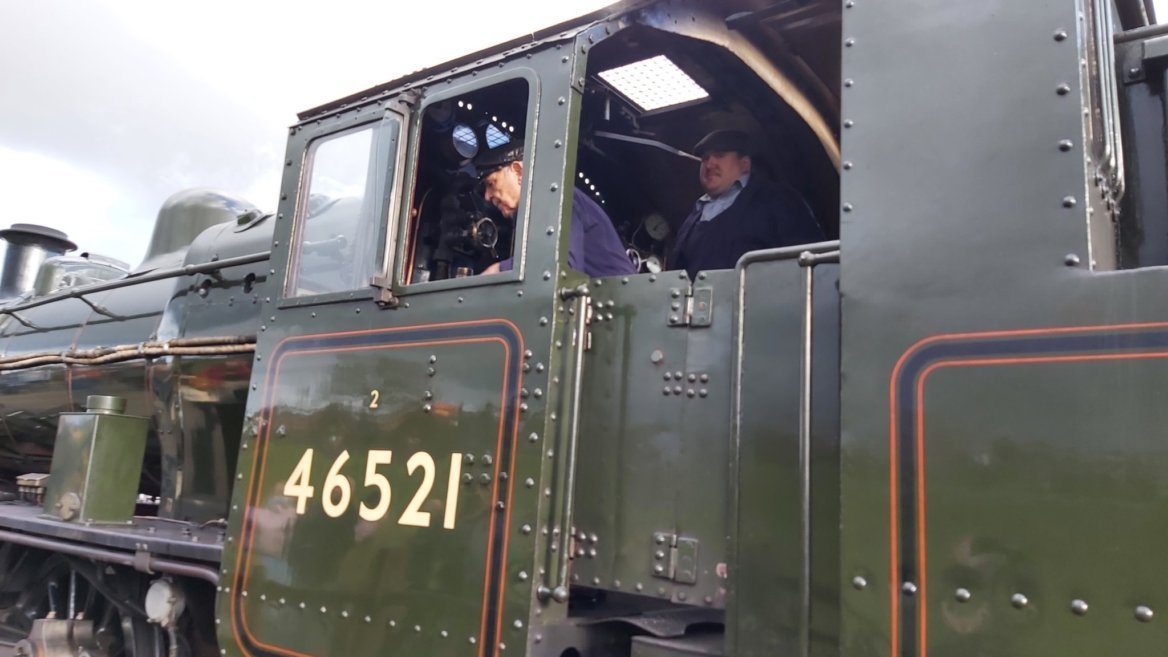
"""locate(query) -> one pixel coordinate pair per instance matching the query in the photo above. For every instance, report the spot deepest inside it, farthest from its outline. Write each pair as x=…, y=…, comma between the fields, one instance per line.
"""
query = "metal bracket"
x=384, y=292
x=694, y=309
x=675, y=558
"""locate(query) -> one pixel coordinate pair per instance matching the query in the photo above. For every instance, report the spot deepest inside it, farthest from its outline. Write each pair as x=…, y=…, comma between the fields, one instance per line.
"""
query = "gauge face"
x=466, y=143
x=656, y=226
x=486, y=233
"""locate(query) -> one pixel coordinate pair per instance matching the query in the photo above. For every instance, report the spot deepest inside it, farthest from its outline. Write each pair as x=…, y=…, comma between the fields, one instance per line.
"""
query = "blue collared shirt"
x=712, y=207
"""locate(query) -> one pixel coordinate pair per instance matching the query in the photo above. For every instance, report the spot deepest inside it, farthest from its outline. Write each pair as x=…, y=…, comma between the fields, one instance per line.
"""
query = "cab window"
x=337, y=223
x=453, y=230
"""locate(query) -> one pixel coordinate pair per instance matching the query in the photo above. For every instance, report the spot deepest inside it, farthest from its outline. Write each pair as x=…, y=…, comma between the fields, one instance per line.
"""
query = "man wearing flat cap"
x=593, y=245
x=739, y=212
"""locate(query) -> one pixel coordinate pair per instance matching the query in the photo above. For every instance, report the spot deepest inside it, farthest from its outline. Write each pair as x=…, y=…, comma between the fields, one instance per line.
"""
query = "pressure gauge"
x=656, y=226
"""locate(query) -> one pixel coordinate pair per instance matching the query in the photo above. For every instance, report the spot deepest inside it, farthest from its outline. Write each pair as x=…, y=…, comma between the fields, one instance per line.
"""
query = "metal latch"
x=675, y=558
x=693, y=306
x=383, y=291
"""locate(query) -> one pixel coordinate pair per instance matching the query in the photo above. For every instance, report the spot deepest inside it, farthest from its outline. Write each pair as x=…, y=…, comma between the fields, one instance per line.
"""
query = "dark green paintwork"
x=97, y=459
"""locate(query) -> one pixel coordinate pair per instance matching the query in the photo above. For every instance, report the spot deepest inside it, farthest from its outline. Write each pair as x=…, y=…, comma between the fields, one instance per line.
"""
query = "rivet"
x=659, y=569
x=1069, y=202
x=639, y=586
x=849, y=82
x=666, y=391
x=659, y=539
x=533, y=438
x=1144, y=614
x=368, y=619
x=550, y=230
x=690, y=393
x=848, y=207
x=1063, y=89
x=908, y=588
x=561, y=100
x=847, y=166
x=1019, y=601
x=324, y=610
x=523, y=576
x=703, y=393
x=1060, y=35
x=1079, y=607
x=426, y=407
x=849, y=123
x=525, y=530
x=1066, y=145
x=444, y=634
x=859, y=583
x=344, y=614
x=558, y=143
x=517, y=625
x=417, y=628
x=963, y=595
x=849, y=4
x=1071, y=260
x=849, y=43
x=554, y=187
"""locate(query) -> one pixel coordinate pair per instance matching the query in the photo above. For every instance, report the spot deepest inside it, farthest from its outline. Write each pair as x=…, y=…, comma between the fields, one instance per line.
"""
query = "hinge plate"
x=695, y=308
x=675, y=558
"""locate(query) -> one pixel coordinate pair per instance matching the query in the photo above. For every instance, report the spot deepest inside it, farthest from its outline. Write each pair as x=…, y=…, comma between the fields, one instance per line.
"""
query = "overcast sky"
x=109, y=106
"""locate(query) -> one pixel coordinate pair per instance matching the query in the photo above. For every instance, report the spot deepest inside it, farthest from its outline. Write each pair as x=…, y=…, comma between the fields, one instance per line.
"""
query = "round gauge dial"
x=656, y=226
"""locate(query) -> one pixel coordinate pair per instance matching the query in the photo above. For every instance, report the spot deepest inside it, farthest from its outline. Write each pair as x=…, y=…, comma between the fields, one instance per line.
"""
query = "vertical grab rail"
x=567, y=434
x=1111, y=161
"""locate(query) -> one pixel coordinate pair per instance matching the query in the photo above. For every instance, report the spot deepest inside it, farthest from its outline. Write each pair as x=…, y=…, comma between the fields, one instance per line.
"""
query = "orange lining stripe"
x=268, y=393
x=894, y=603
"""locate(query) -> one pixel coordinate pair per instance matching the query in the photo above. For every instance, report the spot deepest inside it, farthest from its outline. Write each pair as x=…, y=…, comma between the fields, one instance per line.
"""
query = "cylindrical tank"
x=29, y=245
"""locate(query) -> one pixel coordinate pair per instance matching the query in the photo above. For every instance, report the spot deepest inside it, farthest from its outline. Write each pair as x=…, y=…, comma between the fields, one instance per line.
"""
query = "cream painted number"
x=337, y=493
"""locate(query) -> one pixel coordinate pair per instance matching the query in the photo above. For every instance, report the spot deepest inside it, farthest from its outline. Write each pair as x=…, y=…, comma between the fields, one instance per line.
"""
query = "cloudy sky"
x=109, y=106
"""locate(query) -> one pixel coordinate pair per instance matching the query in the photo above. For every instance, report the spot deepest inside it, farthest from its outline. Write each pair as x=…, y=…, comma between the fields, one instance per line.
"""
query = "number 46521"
x=337, y=492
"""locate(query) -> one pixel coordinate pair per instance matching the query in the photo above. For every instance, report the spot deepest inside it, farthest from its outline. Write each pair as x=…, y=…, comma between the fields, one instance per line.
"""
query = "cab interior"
x=634, y=154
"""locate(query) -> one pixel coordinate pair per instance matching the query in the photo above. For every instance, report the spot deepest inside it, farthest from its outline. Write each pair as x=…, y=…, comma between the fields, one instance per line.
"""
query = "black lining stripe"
x=438, y=334
x=1090, y=341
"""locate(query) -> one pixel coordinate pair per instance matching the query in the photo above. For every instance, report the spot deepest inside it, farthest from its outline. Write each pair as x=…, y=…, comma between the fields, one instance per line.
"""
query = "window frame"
x=522, y=213
x=383, y=186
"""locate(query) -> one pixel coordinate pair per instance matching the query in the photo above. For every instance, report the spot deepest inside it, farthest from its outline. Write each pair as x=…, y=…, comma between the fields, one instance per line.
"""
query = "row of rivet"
x=1018, y=600
x=1065, y=145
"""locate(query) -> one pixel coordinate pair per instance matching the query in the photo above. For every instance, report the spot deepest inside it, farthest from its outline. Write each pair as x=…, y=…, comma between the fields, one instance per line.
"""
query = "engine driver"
x=593, y=245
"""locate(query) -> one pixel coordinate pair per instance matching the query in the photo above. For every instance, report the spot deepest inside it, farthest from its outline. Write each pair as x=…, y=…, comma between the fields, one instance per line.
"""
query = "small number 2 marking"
x=375, y=395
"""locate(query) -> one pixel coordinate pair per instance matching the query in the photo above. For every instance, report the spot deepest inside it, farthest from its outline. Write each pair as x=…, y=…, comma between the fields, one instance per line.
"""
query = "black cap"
x=724, y=141
x=488, y=162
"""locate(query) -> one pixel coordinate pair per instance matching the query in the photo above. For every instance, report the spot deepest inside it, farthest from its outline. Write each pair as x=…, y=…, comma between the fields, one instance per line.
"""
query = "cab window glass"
x=337, y=219
x=463, y=208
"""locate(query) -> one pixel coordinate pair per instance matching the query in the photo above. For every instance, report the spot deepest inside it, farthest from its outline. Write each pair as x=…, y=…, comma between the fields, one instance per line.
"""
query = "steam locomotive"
x=326, y=430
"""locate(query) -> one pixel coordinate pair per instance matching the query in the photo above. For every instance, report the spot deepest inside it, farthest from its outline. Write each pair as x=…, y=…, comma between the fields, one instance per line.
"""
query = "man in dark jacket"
x=739, y=212
x=593, y=244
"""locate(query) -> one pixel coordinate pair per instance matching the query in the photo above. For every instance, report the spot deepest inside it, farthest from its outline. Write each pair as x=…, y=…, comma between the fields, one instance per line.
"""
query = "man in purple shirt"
x=593, y=245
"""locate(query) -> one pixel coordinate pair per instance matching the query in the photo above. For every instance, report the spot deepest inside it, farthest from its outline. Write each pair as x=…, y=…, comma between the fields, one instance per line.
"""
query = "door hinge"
x=675, y=558
x=691, y=306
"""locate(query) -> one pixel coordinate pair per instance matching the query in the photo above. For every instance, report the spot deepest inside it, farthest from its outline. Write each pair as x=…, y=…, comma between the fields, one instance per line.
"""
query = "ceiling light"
x=654, y=83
